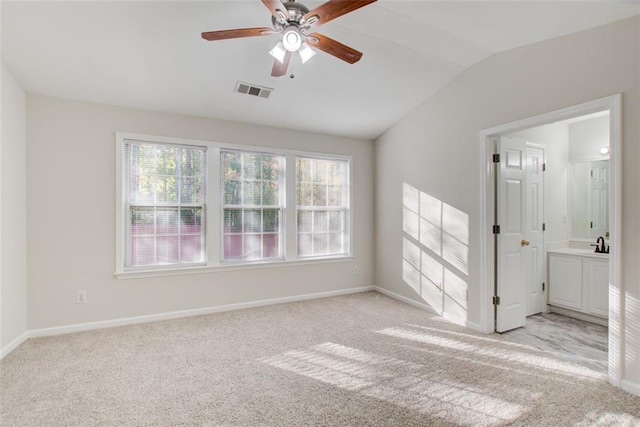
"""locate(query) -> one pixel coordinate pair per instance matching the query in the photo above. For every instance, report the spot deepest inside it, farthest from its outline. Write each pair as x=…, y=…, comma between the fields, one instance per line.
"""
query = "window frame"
x=347, y=210
x=213, y=218
x=281, y=207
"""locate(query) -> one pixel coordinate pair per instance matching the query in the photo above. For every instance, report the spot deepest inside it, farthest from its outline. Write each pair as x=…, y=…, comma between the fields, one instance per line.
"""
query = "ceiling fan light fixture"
x=278, y=52
x=292, y=40
x=306, y=53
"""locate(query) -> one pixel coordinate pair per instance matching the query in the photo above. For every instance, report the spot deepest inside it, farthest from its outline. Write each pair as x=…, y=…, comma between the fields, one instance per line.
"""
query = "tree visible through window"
x=179, y=211
x=165, y=196
x=252, y=205
x=322, y=188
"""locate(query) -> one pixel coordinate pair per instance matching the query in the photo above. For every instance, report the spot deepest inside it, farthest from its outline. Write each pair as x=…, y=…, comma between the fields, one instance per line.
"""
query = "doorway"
x=491, y=245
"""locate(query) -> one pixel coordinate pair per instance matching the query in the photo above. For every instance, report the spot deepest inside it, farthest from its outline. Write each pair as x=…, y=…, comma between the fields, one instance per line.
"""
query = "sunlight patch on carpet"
x=399, y=382
x=513, y=356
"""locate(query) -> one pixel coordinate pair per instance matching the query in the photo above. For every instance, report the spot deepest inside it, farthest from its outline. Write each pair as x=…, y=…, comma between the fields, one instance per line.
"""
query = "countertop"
x=579, y=252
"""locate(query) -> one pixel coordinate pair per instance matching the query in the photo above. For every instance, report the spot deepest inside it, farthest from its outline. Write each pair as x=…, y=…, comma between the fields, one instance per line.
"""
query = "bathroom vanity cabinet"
x=579, y=282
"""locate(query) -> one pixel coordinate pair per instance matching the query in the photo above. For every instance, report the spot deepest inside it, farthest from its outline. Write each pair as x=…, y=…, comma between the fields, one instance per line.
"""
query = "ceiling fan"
x=295, y=22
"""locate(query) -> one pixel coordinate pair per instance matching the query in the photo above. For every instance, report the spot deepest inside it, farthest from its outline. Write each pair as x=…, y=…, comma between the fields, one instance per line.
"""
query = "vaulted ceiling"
x=149, y=55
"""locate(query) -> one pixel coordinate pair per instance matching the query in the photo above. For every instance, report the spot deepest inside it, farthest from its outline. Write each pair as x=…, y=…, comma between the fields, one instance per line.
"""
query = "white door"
x=534, y=217
x=511, y=204
x=597, y=198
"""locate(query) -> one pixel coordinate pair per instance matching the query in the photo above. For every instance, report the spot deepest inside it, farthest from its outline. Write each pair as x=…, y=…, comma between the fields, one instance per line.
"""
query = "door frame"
x=612, y=103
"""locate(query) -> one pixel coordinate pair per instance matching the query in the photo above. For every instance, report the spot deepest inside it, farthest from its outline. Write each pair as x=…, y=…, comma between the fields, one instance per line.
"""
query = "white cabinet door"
x=565, y=281
x=596, y=280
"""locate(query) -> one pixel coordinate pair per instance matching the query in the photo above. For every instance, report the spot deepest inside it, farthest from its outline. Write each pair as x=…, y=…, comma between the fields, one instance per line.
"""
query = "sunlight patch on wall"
x=406, y=384
x=615, y=331
x=423, y=274
x=456, y=294
x=435, y=251
x=410, y=215
x=631, y=331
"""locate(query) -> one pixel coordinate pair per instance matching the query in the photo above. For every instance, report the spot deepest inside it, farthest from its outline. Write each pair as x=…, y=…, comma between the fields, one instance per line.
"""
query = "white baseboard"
x=405, y=300
x=427, y=307
x=464, y=322
x=630, y=387
x=578, y=315
x=14, y=344
x=58, y=330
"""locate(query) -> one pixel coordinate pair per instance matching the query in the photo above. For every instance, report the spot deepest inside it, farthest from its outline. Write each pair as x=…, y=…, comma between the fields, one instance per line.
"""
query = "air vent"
x=255, y=90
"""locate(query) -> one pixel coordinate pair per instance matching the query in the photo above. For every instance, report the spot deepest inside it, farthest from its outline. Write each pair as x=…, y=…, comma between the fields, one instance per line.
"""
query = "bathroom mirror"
x=589, y=199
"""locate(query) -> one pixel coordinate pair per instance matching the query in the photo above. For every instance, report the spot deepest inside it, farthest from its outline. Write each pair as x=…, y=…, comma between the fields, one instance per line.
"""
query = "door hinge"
x=543, y=286
x=496, y=300
x=544, y=167
x=496, y=229
x=496, y=158
x=544, y=226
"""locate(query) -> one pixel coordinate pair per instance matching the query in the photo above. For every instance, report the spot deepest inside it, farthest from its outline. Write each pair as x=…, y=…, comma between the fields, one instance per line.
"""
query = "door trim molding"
x=612, y=103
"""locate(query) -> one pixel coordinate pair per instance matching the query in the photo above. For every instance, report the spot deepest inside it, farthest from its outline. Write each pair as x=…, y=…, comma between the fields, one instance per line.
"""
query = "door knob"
x=524, y=243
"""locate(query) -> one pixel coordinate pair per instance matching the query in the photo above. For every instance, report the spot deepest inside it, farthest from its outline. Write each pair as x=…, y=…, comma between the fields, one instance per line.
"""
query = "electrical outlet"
x=355, y=269
x=81, y=297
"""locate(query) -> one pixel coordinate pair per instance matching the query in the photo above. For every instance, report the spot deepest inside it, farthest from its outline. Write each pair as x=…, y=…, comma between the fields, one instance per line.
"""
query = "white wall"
x=587, y=137
x=71, y=216
x=13, y=259
x=555, y=139
x=435, y=149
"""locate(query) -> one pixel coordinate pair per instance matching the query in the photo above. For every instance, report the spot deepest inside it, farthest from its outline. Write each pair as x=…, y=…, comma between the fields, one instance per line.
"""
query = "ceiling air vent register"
x=255, y=90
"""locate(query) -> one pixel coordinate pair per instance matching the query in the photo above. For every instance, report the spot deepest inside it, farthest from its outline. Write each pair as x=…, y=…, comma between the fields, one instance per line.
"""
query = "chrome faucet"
x=600, y=247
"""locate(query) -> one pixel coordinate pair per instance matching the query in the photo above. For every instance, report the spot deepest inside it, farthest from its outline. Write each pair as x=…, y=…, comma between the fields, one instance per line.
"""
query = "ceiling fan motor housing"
x=295, y=12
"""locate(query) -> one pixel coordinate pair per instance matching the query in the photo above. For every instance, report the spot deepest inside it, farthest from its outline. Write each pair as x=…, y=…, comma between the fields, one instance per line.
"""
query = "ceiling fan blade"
x=280, y=68
x=335, y=48
x=277, y=9
x=238, y=33
x=331, y=10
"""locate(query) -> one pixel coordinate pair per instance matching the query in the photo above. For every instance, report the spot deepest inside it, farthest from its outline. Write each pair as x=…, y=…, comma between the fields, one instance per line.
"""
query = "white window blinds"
x=164, y=193
x=322, y=188
x=252, y=205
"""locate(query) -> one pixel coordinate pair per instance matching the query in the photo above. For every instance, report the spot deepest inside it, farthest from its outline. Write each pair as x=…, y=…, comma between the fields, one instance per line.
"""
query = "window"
x=322, y=201
x=252, y=205
x=164, y=196
x=185, y=205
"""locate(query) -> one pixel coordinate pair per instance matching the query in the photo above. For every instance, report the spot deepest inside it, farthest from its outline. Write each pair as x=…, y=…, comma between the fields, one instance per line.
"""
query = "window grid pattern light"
x=252, y=206
x=322, y=199
x=165, y=197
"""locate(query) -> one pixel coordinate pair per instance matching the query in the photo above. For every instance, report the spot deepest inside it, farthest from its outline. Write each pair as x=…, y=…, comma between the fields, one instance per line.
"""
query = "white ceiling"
x=149, y=55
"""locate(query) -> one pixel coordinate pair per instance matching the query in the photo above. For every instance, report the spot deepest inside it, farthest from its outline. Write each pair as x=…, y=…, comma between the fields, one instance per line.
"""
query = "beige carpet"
x=361, y=359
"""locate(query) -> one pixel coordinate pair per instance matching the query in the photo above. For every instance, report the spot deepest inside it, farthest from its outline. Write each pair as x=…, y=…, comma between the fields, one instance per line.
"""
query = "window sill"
x=178, y=271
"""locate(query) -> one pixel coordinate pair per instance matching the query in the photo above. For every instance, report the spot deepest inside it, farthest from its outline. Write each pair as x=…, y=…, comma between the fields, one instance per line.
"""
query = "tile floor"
x=581, y=342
